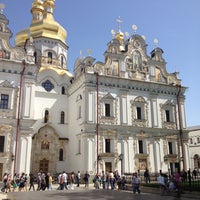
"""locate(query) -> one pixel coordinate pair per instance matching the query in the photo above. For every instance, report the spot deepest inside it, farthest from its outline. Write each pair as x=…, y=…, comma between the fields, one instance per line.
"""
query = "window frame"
x=62, y=117
x=107, y=145
x=4, y=102
x=61, y=155
x=141, y=146
x=170, y=147
x=2, y=143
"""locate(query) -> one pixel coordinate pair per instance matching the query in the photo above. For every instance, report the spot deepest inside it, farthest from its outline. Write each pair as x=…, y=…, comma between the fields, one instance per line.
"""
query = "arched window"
x=46, y=116
x=61, y=155
x=196, y=161
x=62, y=117
x=62, y=61
x=63, y=90
x=35, y=57
x=191, y=141
x=50, y=56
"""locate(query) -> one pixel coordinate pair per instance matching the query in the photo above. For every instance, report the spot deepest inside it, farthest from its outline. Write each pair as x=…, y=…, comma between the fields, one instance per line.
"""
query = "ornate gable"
x=6, y=84
x=108, y=97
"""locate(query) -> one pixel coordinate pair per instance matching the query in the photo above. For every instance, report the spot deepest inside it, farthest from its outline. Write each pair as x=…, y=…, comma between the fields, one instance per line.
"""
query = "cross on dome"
x=119, y=21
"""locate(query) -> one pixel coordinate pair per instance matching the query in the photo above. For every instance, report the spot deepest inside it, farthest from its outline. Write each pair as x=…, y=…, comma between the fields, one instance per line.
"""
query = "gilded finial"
x=119, y=35
x=155, y=41
x=119, y=21
x=89, y=51
x=2, y=6
x=113, y=33
x=81, y=53
x=134, y=27
x=127, y=34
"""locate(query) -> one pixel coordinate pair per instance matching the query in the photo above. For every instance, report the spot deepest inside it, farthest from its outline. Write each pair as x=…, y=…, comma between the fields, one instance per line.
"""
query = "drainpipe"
x=97, y=120
x=18, y=115
x=180, y=127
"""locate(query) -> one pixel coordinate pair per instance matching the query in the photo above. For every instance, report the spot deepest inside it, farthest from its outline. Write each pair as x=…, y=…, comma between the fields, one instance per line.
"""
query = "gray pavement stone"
x=85, y=194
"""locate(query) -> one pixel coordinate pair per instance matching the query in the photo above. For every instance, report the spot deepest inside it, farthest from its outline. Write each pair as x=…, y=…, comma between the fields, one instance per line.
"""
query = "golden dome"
x=37, y=10
x=120, y=37
x=43, y=24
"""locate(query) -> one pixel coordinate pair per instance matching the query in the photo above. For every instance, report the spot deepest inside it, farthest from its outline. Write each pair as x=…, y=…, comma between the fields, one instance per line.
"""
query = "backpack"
x=61, y=180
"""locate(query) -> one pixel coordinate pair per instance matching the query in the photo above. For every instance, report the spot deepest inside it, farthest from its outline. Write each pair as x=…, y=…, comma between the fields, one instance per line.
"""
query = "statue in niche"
x=45, y=144
x=137, y=61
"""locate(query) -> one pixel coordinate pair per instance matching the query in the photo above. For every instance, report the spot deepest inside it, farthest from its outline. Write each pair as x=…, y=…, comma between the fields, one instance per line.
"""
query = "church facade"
x=126, y=113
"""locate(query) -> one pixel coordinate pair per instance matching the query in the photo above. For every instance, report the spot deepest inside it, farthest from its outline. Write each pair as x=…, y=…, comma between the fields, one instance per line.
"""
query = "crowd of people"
x=172, y=183
x=112, y=180
x=105, y=180
x=43, y=181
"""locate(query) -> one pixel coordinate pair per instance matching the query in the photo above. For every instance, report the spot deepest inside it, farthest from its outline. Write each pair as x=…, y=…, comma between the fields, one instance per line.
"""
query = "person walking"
x=103, y=179
x=65, y=176
x=72, y=178
x=8, y=183
x=31, y=182
x=112, y=179
x=78, y=178
x=5, y=177
x=86, y=179
x=50, y=182
x=177, y=180
x=161, y=182
x=147, y=176
x=39, y=181
x=136, y=183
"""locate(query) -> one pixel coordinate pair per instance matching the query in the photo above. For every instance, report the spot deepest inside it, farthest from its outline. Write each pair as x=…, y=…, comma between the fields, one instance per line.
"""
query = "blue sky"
x=175, y=23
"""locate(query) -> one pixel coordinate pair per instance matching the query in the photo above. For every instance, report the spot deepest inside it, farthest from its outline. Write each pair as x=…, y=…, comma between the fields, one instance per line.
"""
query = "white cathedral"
x=126, y=113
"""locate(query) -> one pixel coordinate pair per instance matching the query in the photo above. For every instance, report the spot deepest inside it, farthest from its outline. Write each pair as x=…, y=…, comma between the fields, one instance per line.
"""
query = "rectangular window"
x=107, y=110
x=79, y=112
x=191, y=141
x=2, y=140
x=62, y=117
x=170, y=147
x=152, y=71
x=139, y=113
x=140, y=143
x=107, y=145
x=167, y=115
x=79, y=146
x=4, y=101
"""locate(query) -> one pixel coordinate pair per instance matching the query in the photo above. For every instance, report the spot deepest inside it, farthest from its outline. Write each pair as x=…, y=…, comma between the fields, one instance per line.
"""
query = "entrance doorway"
x=108, y=167
x=44, y=165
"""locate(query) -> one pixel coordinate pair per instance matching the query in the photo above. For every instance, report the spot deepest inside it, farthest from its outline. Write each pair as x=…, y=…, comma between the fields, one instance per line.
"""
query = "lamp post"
x=19, y=115
x=121, y=158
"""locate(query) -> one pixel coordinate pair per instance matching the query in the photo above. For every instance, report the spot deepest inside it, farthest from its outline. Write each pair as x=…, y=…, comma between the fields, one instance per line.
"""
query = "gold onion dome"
x=120, y=37
x=43, y=24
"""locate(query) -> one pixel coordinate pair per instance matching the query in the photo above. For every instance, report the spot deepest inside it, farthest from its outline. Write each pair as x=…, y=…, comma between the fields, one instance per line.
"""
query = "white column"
x=27, y=100
x=152, y=160
x=24, y=154
x=91, y=105
x=90, y=159
x=131, y=152
x=183, y=115
x=125, y=159
x=124, y=110
x=187, y=156
x=157, y=156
